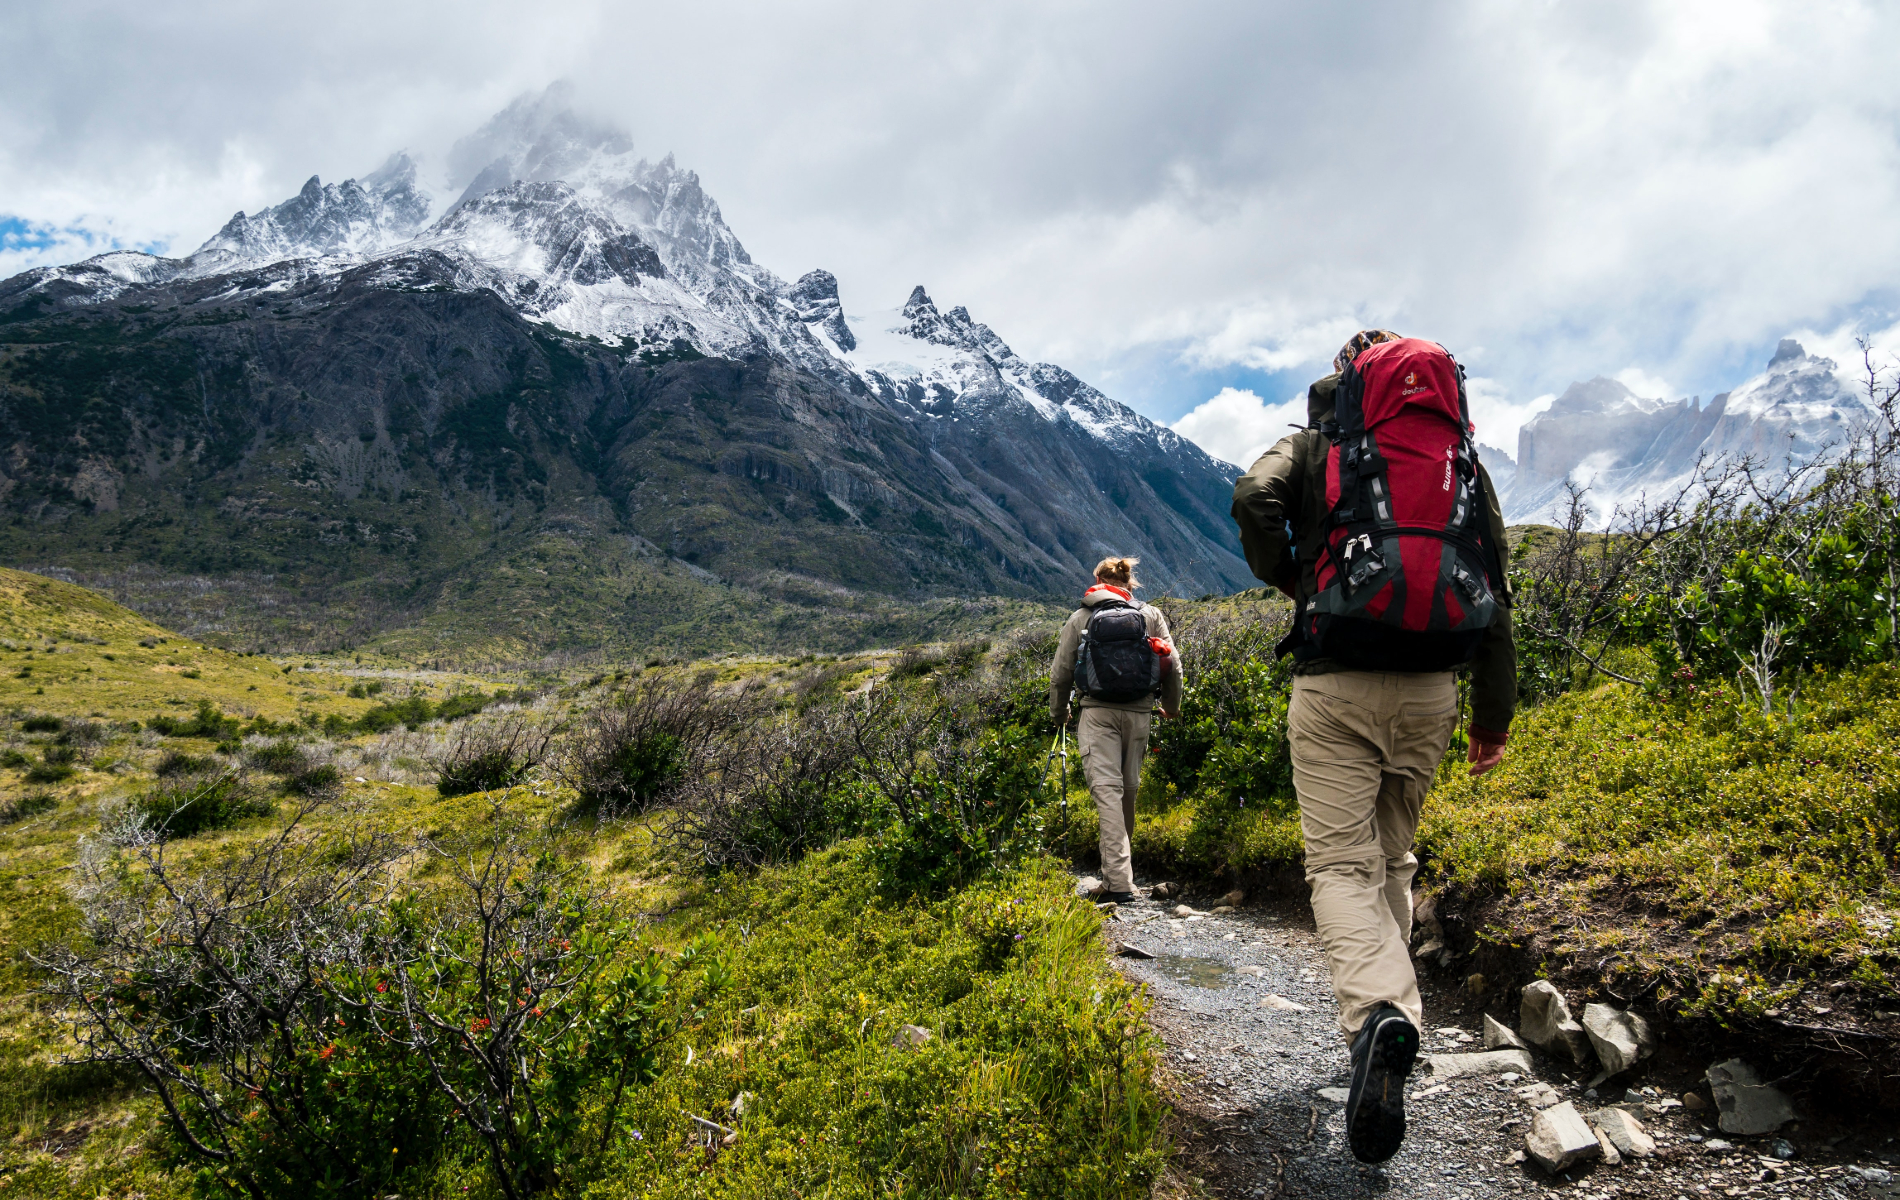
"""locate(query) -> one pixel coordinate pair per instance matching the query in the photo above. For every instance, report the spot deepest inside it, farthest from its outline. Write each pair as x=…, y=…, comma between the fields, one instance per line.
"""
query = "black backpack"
x=1115, y=663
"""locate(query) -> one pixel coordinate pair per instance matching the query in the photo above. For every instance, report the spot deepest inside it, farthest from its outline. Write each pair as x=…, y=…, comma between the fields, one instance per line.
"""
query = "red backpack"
x=1403, y=566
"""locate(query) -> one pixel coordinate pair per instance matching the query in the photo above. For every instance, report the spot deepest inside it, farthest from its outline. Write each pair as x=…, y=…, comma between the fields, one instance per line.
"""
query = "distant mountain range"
x=552, y=395
x=1624, y=447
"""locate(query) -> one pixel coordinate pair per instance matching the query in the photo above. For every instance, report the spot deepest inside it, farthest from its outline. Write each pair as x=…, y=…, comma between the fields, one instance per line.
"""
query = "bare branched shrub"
x=484, y=755
x=775, y=794
x=213, y=986
x=316, y=1019
x=633, y=751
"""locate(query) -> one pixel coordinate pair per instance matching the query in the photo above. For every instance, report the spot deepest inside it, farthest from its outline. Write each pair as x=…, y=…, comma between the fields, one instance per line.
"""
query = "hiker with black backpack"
x=1116, y=656
x=1381, y=524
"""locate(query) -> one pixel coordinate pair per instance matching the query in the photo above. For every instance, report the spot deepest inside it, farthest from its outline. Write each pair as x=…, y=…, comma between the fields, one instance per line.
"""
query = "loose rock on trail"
x=1257, y=1072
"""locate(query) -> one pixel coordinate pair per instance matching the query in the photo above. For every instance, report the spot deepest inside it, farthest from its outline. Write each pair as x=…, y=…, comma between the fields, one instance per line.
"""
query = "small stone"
x=1434, y=946
x=1544, y=1020
x=1189, y=1056
x=1509, y=1077
x=1250, y=969
x=1514, y=1158
x=1499, y=1036
x=1335, y=1094
x=1621, y=1039
x=1221, y=910
x=1625, y=1132
x=1279, y=1003
x=1490, y=1062
x=1475, y=984
x=1717, y=1146
x=1746, y=1104
x=1611, y=1155
x=1088, y=886
x=1161, y=891
x=1781, y=1148
x=1182, y=910
x=1693, y=1102
x=1538, y=1095
x=1234, y=899
x=1560, y=1138
x=911, y=1035
x=1438, y=1089
x=1873, y=1175
x=1134, y=952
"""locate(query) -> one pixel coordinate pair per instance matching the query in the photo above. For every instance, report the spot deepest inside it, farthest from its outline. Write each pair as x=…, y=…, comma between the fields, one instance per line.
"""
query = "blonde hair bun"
x=1118, y=571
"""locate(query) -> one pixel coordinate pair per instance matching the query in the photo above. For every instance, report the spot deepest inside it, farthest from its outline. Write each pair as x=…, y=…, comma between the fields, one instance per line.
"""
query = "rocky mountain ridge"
x=1627, y=448
x=576, y=347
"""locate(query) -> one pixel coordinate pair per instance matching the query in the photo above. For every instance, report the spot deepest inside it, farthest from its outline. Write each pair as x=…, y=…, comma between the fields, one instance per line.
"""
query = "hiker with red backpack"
x=1115, y=654
x=1379, y=522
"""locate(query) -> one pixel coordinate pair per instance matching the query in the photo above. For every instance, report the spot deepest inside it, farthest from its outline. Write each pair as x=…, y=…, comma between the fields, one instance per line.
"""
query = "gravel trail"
x=1257, y=1116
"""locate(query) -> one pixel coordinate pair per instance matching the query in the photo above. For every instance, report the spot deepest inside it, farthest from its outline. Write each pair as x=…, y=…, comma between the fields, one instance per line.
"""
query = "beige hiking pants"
x=1365, y=746
x=1112, y=741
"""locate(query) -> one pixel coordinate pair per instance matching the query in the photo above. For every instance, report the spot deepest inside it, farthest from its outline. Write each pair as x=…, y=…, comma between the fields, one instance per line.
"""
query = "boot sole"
x=1378, y=1122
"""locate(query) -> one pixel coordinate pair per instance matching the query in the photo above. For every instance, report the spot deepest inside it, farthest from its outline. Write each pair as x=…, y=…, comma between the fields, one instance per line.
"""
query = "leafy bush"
x=320, y=780
x=26, y=804
x=315, y=1024
x=497, y=754
x=41, y=724
x=185, y=805
x=55, y=765
x=206, y=722
x=177, y=762
x=281, y=757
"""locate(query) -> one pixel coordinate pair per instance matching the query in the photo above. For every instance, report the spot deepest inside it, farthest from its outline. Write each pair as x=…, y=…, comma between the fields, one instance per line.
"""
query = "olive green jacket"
x=1287, y=487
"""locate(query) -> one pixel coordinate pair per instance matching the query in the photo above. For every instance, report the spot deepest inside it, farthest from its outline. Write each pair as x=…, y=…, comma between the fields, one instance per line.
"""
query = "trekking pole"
x=1063, y=734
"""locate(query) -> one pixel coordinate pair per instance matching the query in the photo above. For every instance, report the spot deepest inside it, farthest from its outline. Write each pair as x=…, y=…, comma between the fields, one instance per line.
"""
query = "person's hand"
x=1483, y=756
x=1167, y=714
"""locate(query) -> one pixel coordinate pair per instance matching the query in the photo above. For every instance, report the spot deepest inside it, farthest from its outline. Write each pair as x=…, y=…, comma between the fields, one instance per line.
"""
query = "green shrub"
x=41, y=724
x=320, y=780
x=281, y=757
x=185, y=805
x=55, y=765
x=498, y=754
x=412, y=712
x=13, y=758
x=176, y=762
x=26, y=804
x=206, y=722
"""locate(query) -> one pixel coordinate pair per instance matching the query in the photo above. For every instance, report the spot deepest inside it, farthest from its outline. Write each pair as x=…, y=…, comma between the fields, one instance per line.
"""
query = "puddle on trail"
x=1195, y=972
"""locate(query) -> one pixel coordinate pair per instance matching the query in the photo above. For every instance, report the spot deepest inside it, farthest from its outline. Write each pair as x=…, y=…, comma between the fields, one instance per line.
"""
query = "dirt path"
x=1256, y=1117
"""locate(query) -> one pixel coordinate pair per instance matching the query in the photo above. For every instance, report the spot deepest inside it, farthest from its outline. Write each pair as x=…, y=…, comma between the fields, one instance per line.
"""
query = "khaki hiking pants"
x=1112, y=742
x=1365, y=746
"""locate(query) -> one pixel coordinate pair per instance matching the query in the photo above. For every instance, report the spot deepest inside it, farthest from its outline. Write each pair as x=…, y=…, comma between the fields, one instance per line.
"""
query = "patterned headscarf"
x=1358, y=343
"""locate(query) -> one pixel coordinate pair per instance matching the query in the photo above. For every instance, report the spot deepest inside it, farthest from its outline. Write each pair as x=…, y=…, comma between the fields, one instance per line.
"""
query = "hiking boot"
x=1116, y=897
x=1382, y=1055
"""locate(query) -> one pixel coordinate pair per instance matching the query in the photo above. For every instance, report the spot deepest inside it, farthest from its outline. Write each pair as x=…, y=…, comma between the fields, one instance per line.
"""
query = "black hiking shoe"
x=1117, y=897
x=1382, y=1057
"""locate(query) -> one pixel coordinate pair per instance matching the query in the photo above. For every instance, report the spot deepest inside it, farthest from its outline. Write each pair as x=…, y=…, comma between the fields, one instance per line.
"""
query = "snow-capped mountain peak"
x=354, y=218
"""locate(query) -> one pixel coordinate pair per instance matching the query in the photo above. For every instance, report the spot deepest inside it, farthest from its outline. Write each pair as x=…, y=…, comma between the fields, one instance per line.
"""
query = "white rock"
x=1336, y=1095
x=1746, y=1104
x=1234, y=899
x=1280, y=1003
x=1621, y=1039
x=1611, y=1155
x=1538, y=1095
x=1251, y=969
x=1625, y=1132
x=1088, y=885
x=1489, y=1062
x=1544, y=1019
x=1182, y=910
x=911, y=1035
x=1560, y=1138
x=1499, y=1036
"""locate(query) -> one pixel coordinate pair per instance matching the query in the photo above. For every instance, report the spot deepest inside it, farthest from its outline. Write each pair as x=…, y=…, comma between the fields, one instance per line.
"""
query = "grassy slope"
x=77, y=653
x=1040, y=1070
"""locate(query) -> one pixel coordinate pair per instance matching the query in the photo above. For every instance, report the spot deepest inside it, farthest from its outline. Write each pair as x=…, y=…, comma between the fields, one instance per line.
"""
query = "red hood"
x=1102, y=593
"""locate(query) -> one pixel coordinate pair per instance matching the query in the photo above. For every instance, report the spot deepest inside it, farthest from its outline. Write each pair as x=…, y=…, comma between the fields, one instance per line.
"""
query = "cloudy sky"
x=1191, y=205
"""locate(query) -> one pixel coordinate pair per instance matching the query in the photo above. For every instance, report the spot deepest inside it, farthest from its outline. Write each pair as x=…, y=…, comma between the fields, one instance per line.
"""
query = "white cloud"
x=1568, y=186
x=1644, y=384
x=1238, y=426
x=1495, y=416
